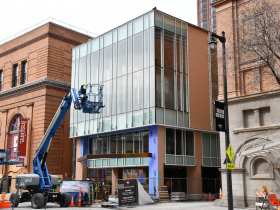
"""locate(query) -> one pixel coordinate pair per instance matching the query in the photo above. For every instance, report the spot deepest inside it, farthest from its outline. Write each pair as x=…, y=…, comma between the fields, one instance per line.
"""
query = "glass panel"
x=146, y=22
x=121, y=121
x=178, y=27
x=170, y=117
x=104, y=162
x=129, y=119
x=146, y=48
x=207, y=161
x=128, y=147
x=138, y=90
x=106, y=124
x=81, y=128
x=152, y=46
x=90, y=163
x=115, y=36
x=108, y=63
x=145, y=161
x=129, y=54
x=77, y=53
x=120, y=161
x=179, y=160
x=180, y=119
x=113, y=162
x=82, y=71
x=130, y=29
x=83, y=50
x=122, y=32
x=158, y=40
x=213, y=146
x=206, y=144
x=169, y=52
x=170, y=159
x=169, y=89
x=98, y=163
x=184, y=54
x=88, y=69
x=121, y=94
x=122, y=53
x=136, y=161
x=179, y=143
x=189, y=143
x=94, y=67
x=119, y=143
x=145, y=141
x=73, y=54
x=137, y=118
x=129, y=161
x=190, y=161
x=158, y=19
x=95, y=45
x=152, y=19
x=138, y=51
x=114, y=60
x=159, y=115
x=114, y=123
x=107, y=39
x=152, y=116
x=186, y=119
x=107, y=98
x=146, y=87
x=169, y=23
x=184, y=29
x=100, y=78
x=113, y=144
x=138, y=25
x=101, y=42
x=96, y=145
x=152, y=86
x=178, y=53
x=136, y=142
x=146, y=116
x=158, y=87
x=214, y=162
x=129, y=92
x=179, y=92
x=170, y=141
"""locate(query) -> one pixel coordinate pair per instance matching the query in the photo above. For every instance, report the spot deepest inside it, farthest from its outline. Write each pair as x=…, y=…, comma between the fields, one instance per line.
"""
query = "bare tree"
x=259, y=34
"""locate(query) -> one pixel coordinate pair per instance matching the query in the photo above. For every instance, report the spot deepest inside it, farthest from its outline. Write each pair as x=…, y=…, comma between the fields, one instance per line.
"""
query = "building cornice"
x=35, y=84
x=262, y=128
x=38, y=38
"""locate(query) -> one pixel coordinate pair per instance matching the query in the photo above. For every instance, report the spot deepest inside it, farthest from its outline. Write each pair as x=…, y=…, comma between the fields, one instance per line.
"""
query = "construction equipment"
x=39, y=186
x=9, y=157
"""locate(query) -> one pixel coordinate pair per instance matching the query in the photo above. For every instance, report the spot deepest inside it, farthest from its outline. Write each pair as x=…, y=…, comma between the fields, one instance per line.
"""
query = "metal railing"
x=53, y=20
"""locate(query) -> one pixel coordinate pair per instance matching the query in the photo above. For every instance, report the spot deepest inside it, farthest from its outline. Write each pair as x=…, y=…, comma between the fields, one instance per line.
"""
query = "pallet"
x=178, y=196
x=163, y=195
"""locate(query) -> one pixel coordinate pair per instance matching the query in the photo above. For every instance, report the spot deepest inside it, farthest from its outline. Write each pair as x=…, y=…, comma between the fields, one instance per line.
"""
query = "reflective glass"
x=83, y=50
x=184, y=54
x=170, y=159
x=94, y=67
x=178, y=27
x=170, y=141
x=122, y=54
x=185, y=93
x=129, y=92
x=107, y=98
x=169, y=89
x=129, y=119
x=146, y=21
x=190, y=161
x=158, y=47
x=179, y=143
x=77, y=53
x=180, y=119
x=138, y=51
x=145, y=141
x=152, y=115
x=81, y=128
x=137, y=118
x=74, y=54
x=158, y=87
x=121, y=121
x=152, y=46
x=138, y=25
x=95, y=45
x=158, y=19
x=120, y=141
x=121, y=94
x=73, y=74
x=115, y=36
x=114, y=60
x=136, y=142
x=129, y=31
x=159, y=115
x=107, y=39
x=169, y=53
x=101, y=42
x=146, y=116
x=100, y=69
x=186, y=119
x=146, y=49
x=120, y=161
x=106, y=124
x=104, y=162
x=88, y=69
x=179, y=91
x=169, y=23
x=122, y=32
x=107, y=63
x=113, y=144
x=113, y=162
x=104, y=145
x=178, y=53
x=114, y=97
x=179, y=160
x=206, y=144
x=82, y=71
x=152, y=19
x=128, y=143
x=170, y=117
x=152, y=86
x=129, y=54
x=88, y=47
x=213, y=145
x=146, y=87
x=184, y=29
x=114, y=122
x=138, y=90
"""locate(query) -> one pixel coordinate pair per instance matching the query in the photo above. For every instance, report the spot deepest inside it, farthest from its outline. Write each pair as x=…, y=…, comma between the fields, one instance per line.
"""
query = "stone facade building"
x=35, y=74
x=254, y=115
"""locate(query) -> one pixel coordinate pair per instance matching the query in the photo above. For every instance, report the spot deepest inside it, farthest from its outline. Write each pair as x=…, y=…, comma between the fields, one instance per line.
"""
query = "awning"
x=119, y=155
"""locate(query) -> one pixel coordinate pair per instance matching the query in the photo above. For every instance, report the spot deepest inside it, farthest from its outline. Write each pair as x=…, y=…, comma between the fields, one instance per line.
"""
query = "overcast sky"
x=96, y=16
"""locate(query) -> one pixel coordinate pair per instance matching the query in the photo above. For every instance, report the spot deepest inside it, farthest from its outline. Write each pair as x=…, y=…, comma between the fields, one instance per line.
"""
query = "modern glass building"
x=156, y=72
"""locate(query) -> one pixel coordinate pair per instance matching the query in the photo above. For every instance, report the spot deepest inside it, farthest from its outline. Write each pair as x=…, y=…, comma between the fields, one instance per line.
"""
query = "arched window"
x=261, y=168
x=14, y=130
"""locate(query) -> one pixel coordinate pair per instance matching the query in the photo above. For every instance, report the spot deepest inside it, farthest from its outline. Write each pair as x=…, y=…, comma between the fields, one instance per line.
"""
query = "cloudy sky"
x=96, y=16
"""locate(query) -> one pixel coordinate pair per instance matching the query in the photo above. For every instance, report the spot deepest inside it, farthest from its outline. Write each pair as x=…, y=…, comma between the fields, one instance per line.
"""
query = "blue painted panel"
x=153, y=162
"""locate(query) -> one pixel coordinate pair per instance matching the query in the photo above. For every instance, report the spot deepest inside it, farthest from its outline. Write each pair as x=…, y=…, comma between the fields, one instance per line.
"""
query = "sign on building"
x=22, y=140
x=128, y=192
x=220, y=116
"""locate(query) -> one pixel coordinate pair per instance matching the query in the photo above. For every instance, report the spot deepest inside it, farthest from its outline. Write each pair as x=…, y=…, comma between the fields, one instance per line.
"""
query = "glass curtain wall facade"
x=143, y=67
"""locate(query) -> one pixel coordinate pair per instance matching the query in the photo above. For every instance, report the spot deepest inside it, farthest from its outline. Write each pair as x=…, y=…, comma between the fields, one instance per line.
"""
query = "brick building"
x=206, y=15
x=253, y=109
x=35, y=74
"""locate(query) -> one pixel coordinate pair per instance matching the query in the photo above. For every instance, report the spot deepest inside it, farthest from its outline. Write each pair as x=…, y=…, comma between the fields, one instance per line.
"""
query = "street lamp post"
x=212, y=44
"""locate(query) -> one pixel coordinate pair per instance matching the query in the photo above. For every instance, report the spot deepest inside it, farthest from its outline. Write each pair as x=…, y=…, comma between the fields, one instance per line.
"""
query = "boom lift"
x=38, y=187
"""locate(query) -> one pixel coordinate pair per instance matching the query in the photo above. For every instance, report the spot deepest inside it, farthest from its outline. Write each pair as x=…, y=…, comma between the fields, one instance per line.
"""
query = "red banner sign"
x=22, y=137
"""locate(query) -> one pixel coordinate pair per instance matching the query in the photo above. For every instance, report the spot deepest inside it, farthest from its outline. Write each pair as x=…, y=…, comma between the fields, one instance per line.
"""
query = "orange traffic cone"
x=57, y=192
x=80, y=197
x=221, y=194
x=210, y=198
x=203, y=197
x=72, y=202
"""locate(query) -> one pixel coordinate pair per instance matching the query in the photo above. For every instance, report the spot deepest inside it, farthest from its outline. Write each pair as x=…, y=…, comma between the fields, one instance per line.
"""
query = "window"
x=212, y=1
x=261, y=168
x=1, y=79
x=214, y=29
x=203, y=14
x=211, y=149
x=265, y=117
x=15, y=75
x=14, y=130
x=23, y=72
x=213, y=20
x=204, y=24
x=203, y=4
x=212, y=10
